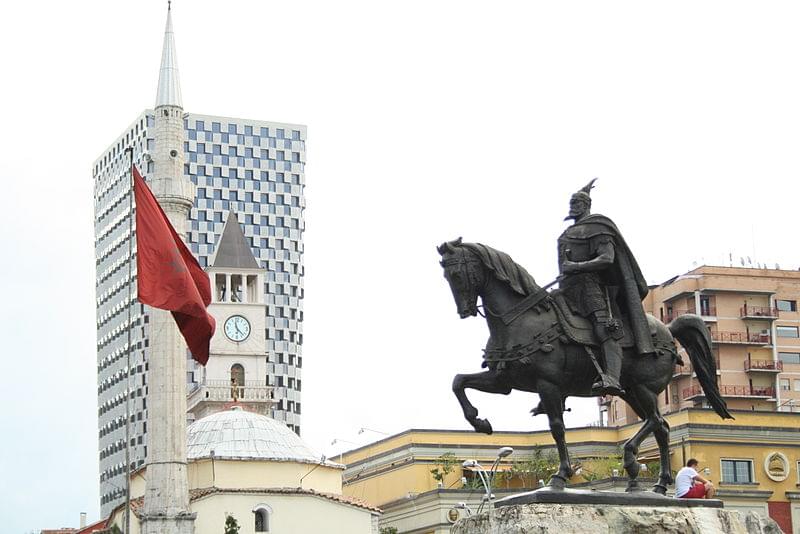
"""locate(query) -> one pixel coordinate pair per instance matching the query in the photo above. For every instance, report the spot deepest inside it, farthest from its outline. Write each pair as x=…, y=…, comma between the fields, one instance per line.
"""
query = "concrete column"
x=228, y=289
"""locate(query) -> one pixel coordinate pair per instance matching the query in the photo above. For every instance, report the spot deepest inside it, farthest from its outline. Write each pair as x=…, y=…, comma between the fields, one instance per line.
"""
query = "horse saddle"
x=580, y=330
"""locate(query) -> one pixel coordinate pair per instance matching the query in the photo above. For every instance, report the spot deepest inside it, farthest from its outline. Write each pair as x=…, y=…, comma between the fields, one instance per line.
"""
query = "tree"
x=445, y=465
x=388, y=530
x=538, y=466
x=231, y=525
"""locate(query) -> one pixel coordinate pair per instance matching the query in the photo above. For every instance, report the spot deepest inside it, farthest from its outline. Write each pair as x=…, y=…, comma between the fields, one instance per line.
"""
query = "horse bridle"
x=470, y=275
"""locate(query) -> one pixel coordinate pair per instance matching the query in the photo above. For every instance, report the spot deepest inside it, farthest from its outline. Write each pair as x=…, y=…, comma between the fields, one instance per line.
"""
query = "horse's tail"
x=693, y=335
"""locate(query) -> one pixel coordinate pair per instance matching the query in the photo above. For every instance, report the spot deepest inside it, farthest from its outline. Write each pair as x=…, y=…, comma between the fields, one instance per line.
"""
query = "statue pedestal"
x=550, y=517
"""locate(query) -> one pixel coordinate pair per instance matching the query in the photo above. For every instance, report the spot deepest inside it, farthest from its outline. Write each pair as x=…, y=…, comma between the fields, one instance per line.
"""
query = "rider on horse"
x=600, y=279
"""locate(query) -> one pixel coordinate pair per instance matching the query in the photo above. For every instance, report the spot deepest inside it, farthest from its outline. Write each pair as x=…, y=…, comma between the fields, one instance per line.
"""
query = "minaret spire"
x=169, y=85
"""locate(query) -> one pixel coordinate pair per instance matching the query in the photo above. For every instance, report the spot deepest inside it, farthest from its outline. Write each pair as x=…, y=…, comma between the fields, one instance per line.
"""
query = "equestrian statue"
x=589, y=337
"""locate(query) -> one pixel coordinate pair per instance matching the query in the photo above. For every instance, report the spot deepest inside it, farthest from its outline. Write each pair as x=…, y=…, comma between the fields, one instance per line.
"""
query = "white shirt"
x=684, y=481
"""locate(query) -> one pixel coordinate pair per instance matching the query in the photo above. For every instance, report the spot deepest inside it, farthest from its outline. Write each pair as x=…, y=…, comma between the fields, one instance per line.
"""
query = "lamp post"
x=486, y=478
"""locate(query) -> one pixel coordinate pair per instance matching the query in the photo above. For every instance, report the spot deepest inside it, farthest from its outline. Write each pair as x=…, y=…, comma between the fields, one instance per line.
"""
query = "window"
x=787, y=331
x=786, y=305
x=261, y=517
x=737, y=471
x=797, y=385
x=789, y=357
x=784, y=384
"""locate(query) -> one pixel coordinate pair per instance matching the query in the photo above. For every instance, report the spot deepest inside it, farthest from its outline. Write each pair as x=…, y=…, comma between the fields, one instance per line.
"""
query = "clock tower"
x=236, y=372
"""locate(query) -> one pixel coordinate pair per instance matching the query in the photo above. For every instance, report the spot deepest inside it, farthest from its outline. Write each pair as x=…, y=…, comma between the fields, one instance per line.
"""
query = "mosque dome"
x=237, y=434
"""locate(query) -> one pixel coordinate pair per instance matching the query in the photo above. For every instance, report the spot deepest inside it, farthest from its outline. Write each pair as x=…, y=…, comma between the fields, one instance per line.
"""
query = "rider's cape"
x=625, y=275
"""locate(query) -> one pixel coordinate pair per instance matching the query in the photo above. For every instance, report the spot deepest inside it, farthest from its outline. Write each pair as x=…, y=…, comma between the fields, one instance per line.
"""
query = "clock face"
x=237, y=328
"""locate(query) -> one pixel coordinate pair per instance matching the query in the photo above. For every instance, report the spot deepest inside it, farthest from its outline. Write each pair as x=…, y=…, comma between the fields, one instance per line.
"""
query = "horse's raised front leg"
x=486, y=381
x=553, y=402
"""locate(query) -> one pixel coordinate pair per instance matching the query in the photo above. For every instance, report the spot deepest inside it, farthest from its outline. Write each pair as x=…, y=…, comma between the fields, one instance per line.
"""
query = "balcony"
x=768, y=366
x=740, y=338
x=705, y=312
x=758, y=312
x=766, y=392
x=682, y=370
x=221, y=391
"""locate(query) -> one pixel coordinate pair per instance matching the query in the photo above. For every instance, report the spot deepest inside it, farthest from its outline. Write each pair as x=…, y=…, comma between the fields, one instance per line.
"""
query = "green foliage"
x=446, y=463
x=115, y=529
x=599, y=468
x=538, y=466
x=388, y=530
x=231, y=525
x=473, y=483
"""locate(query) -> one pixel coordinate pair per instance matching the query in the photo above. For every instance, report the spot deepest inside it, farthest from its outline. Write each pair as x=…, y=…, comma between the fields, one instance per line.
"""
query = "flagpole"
x=129, y=150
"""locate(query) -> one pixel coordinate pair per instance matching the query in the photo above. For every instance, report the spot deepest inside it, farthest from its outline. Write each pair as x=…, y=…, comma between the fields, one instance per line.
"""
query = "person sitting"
x=690, y=485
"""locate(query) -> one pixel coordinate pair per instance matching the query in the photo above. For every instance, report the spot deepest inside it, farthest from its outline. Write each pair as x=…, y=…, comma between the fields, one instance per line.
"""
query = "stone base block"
x=543, y=518
x=163, y=524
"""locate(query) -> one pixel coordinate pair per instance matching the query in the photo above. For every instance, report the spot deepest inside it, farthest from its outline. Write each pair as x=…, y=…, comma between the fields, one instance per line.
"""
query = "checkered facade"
x=254, y=168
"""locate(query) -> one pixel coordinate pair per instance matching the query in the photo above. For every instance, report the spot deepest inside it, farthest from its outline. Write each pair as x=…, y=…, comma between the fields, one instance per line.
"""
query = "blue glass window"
x=215, y=127
x=296, y=135
x=296, y=179
x=217, y=194
x=272, y=143
x=201, y=170
x=248, y=130
x=280, y=133
x=218, y=216
x=248, y=174
x=224, y=138
x=233, y=173
x=296, y=157
x=225, y=160
x=264, y=132
x=232, y=128
x=271, y=164
x=201, y=148
x=193, y=135
x=280, y=155
x=264, y=153
x=226, y=205
x=248, y=219
x=232, y=195
x=248, y=152
x=193, y=157
x=280, y=177
x=240, y=139
x=264, y=175
x=217, y=150
x=201, y=215
x=248, y=197
x=226, y=183
x=295, y=201
x=186, y=146
x=200, y=125
x=233, y=150
x=256, y=141
x=151, y=120
x=218, y=172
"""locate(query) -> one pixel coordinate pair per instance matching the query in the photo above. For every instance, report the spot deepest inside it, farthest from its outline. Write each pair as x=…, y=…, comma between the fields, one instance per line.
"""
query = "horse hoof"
x=483, y=425
x=660, y=489
x=633, y=486
x=557, y=482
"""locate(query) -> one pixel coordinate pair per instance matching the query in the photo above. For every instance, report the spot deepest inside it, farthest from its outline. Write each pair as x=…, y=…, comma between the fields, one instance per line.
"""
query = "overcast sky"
x=426, y=121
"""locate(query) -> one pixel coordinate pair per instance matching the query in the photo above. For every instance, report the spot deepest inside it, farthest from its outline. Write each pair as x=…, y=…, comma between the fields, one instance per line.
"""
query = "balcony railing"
x=222, y=391
x=740, y=338
x=763, y=365
x=758, y=312
x=682, y=370
x=732, y=391
x=705, y=311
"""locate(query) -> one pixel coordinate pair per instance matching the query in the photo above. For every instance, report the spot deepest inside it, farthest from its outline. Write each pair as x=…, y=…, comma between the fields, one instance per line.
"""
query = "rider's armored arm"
x=604, y=259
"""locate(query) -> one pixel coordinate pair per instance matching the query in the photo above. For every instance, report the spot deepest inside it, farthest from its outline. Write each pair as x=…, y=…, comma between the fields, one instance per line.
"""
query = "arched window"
x=237, y=381
x=262, y=513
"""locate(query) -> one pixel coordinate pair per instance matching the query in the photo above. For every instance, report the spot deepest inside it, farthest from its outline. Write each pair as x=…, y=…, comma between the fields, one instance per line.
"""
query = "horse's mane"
x=504, y=268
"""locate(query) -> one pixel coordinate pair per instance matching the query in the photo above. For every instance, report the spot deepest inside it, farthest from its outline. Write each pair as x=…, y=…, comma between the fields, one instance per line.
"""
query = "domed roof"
x=237, y=434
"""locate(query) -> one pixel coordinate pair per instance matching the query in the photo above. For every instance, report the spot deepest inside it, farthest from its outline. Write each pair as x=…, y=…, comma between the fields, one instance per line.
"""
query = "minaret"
x=166, y=499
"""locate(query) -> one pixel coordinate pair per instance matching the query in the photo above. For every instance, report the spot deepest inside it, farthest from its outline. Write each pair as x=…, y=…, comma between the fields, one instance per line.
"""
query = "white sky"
x=426, y=121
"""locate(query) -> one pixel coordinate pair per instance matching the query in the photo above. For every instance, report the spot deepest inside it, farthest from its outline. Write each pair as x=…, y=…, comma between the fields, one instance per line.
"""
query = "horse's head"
x=464, y=271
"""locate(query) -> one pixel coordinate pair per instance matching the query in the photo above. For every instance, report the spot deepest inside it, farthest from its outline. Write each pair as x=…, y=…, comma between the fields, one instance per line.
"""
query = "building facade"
x=251, y=167
x=754, y=460
x=753, y=318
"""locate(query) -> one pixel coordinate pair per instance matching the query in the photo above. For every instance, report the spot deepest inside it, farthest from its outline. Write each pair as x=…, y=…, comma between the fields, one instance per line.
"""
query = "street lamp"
x=365, y=429
x=486, y=478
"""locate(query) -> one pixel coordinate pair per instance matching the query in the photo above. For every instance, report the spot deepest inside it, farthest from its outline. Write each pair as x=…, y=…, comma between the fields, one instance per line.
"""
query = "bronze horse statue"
x=529, y=350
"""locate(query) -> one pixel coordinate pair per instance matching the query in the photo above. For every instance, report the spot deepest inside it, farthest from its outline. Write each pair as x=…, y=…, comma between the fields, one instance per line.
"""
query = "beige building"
x=753, y=318
x=257, y=470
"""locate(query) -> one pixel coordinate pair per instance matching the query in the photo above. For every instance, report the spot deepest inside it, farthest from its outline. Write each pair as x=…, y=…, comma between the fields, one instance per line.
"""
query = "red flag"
x=169, y=276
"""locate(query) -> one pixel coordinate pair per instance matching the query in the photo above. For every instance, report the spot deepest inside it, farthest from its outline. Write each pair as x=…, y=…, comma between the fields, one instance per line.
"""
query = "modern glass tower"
x=251, y=167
